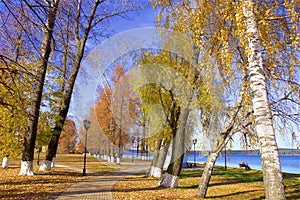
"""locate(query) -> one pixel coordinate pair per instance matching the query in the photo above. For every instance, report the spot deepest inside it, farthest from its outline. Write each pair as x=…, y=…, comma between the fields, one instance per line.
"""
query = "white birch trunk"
x=219, y=144
x=205, y=178
x=273, y=181
x=45, y=166
x=169, y=181
x=26, y=168
x=5, y=162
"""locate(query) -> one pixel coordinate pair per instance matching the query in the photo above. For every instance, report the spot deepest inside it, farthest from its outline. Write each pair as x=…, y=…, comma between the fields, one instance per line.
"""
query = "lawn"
x=231, y=184
x=44, y=184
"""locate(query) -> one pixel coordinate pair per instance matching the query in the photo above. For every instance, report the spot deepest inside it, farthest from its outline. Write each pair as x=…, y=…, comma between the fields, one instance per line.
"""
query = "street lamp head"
x=86, y=124
x=194, y=141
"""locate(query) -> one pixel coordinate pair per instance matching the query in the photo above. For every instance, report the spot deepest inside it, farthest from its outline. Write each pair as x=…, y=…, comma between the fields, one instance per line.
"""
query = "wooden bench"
x=245, y=165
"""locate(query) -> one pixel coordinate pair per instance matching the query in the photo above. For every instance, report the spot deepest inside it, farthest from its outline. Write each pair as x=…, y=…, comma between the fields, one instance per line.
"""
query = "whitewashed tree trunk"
x=157, y=172
x=150, y=171
x=53, y=162
x=155, y=157
x=169, y=181
x=112, y=159
x=45, y=166
x=26, y=168
x=118, y=160
x=5, y=162
x=161, y=160
x=156, y=153
x=273, y=181
x=112, y=154
x=37, y=91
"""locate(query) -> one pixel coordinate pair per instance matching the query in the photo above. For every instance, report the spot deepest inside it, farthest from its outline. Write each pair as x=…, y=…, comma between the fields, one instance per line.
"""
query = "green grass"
x=233, y=183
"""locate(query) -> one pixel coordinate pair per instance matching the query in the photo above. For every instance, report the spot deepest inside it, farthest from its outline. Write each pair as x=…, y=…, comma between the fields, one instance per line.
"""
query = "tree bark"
x=155, y=157
x=219, y=144
x=118, y=161
x=112, y=153
x=273, y=180
x=171, y=177
x=5, y=162
x=45, y=50
x=161, y=160
x=64, y=108
x=108, y=151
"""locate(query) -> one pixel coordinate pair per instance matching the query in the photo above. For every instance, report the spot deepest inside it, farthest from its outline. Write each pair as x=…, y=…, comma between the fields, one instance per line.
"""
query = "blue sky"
x=146, y=18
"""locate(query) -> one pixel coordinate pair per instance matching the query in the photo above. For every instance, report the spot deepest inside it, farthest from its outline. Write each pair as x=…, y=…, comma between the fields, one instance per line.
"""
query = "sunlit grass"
x=39, y=186
x=76, y=160
x=44, y=184
x=233, y=183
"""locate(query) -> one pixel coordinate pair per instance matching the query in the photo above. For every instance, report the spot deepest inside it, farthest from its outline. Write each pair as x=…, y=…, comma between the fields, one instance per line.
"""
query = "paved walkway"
x=101, y=186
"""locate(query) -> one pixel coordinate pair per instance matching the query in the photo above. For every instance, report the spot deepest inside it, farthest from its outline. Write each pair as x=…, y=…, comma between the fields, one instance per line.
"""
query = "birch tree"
x=273, y=180
x=228, y=28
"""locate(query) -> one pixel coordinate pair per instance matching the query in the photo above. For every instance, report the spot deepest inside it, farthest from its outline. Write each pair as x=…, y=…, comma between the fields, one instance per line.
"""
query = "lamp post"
x=132, y=152
x=194, y=142
x=86, y=124
x=137, y=147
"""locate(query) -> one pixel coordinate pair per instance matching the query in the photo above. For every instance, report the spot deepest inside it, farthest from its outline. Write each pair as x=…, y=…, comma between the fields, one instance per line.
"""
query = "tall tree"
x=220, y=26
x=273, y=179
x=99, y=11
x=36, y=96
x=16, y=78
x=170, y=75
